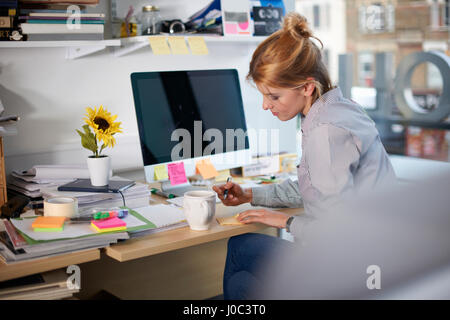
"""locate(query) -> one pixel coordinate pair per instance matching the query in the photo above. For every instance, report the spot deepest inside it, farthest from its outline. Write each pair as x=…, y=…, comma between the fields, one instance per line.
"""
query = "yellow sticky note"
x=178, y=45
x=161, y=172
x=159, y=45
x=198, y=45
x=223, y=175
x=206, y=169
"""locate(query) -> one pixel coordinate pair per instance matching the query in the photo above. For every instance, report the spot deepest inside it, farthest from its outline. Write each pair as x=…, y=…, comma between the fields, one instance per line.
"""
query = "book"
x=66, y=37
x=84, y=185
x=56, y=15
x=66, y=22
x=32, y=28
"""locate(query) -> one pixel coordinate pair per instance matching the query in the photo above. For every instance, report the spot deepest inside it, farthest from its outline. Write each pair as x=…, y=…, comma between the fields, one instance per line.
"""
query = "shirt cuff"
x=260, y=195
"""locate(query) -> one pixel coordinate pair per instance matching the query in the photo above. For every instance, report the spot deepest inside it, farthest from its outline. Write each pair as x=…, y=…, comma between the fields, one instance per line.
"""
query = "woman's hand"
x=236, y=195
x=267, y=217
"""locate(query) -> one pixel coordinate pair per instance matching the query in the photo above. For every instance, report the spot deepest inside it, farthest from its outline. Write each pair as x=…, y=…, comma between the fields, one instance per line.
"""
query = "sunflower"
x=102, y=122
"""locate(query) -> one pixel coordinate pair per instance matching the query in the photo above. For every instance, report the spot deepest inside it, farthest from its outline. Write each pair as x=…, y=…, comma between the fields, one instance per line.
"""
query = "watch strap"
x=288, y=223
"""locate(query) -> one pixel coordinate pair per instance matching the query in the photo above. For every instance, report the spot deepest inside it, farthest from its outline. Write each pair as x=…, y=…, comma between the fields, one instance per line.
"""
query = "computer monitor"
x=187, y=116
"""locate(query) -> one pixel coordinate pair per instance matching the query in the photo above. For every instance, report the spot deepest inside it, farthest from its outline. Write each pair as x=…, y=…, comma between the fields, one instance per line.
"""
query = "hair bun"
x=297, y=26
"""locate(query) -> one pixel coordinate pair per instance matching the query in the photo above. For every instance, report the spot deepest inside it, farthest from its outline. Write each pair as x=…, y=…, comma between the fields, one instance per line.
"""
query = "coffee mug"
x=199, y=208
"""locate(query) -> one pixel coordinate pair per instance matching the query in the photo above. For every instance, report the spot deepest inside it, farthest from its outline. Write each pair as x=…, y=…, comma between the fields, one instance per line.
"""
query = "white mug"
x=199, y=208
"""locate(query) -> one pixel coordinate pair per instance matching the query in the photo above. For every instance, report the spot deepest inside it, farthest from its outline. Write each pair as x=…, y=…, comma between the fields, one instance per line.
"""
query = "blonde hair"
x=288, y=57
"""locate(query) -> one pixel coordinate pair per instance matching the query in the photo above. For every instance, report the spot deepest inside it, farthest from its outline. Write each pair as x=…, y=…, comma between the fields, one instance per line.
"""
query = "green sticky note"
x=161, y=172
x=48, y=229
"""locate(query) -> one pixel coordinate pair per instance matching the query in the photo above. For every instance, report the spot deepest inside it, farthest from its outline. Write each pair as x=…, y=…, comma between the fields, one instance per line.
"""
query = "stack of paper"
x=50, y=285
x=30, y=182
x=135, y=196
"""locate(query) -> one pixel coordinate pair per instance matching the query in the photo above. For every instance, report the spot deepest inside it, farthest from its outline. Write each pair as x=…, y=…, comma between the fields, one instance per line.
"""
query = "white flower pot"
x=99, y=170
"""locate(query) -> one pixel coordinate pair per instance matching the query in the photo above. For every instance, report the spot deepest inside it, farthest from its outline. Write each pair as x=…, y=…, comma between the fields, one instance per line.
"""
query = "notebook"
x=84, y=185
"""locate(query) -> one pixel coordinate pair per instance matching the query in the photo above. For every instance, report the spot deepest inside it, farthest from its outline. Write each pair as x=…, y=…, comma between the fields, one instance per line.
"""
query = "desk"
x=175, y=264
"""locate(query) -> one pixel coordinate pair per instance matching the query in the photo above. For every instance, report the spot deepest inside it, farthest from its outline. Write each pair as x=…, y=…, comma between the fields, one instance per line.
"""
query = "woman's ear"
x=309, y=87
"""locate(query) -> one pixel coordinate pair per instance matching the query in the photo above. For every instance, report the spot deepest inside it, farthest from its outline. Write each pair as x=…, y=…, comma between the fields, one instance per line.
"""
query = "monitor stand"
x=180, y=189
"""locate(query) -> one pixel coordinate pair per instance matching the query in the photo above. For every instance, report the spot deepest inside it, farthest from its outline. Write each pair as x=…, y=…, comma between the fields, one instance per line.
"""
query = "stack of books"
x=61, y=22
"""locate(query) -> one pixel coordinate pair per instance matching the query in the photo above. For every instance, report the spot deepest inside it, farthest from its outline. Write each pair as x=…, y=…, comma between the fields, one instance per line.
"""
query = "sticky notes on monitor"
x=177, y=174
x=198, y=45
x=178, y=45
x=159, y=45
x=108, y=225
x=206, y=169
x=48, y=224
x=161, y=172
x=223, y=175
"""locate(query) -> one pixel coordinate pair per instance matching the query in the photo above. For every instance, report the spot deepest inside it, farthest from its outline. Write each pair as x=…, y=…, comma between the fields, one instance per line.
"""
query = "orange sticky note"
x=48, y=222
x=206, y=169
x=177, y=174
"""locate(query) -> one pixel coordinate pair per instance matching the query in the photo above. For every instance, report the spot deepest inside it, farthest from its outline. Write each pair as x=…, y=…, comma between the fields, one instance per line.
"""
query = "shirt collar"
x=331, y=96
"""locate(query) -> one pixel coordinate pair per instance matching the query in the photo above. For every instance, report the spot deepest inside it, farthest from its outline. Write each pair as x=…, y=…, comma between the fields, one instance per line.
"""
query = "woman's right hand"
x=236, y=195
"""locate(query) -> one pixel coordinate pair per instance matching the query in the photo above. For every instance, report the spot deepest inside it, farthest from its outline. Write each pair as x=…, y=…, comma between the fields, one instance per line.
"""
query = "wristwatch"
x=288, y=223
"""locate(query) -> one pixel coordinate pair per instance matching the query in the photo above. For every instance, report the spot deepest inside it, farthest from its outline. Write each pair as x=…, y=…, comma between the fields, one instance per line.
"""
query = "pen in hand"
x=226, y=191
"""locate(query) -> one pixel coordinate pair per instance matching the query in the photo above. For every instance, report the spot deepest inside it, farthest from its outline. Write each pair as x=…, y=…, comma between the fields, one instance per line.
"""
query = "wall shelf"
x=121, y=47
x=74, y=49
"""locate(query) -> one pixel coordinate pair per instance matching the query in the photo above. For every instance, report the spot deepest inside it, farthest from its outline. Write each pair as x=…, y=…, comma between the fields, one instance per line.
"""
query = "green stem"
x=96, y=149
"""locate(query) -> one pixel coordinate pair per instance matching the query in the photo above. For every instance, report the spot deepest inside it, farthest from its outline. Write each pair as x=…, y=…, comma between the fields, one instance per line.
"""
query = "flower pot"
x=99, y=169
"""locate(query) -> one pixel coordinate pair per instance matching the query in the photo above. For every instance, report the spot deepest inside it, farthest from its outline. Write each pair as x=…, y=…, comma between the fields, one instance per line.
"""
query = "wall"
x=50, y=95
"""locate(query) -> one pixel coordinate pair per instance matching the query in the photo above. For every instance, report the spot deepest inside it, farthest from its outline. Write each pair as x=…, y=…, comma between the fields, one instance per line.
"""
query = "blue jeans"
x=246, y=258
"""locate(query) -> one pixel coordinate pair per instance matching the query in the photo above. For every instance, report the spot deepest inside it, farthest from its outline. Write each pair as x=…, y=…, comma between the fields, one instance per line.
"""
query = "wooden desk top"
x=25, y=268
x=185, y=237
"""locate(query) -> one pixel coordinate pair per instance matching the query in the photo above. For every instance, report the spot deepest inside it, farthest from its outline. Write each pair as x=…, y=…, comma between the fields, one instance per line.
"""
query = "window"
x=316, y=15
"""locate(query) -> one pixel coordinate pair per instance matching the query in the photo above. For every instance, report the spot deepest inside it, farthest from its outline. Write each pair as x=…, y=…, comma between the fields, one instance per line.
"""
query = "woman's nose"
x=266, y=105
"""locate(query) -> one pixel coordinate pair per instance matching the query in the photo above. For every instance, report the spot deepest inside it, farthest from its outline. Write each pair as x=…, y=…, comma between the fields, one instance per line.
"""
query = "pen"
x=162, y=194
x=226, y=191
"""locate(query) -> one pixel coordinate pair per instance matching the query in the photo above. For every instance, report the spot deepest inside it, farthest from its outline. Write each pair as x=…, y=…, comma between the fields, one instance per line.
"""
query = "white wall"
x=50, y=95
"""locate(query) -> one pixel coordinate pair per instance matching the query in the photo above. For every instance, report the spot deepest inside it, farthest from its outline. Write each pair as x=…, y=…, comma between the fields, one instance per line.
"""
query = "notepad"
x=177, y=175
x=198, y=46
x=108, y=225
x=178, y=45
x=229, y=221
x=48, y=224
x=161, y=172
x=206, y=169
x=159, y=45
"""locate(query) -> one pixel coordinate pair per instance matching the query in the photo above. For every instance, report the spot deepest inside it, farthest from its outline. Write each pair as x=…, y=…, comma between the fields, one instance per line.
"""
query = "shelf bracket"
x=78, y=52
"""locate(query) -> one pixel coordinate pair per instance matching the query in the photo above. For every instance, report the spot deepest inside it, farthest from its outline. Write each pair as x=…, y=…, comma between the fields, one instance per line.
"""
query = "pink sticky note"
x=113, y=222
x=231, y=28
x=177, y=175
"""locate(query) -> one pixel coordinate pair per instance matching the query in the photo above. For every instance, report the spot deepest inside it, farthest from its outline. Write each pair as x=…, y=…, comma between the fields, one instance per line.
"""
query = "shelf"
x=78, y=49
x=56, y=44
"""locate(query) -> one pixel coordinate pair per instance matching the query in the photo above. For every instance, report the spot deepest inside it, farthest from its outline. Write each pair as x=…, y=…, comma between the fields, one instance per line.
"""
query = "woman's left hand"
x=267, y=217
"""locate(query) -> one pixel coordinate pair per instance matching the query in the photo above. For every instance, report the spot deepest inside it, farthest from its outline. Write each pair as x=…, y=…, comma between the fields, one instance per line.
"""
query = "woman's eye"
x=274, y=98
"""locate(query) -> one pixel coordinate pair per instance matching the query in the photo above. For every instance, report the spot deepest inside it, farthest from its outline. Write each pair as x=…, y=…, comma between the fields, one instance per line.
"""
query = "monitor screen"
x=193, y=101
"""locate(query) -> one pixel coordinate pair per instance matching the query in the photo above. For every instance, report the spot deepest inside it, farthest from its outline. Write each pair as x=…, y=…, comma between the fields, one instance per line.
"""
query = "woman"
x=342, y=154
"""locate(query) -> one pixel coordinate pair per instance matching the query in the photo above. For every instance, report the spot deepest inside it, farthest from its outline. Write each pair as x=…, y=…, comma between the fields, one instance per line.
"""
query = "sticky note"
x=178, y=45
x=229, y=221
x=177, y=175
x=223, y=175
x=161, y=172
x=159, y=45
x=54, y=223
x=108, y=225
x=206, y=169
x=198, y=45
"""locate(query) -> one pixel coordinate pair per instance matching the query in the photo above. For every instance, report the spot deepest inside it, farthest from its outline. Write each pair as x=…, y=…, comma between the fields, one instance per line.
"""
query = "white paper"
x=161, y=214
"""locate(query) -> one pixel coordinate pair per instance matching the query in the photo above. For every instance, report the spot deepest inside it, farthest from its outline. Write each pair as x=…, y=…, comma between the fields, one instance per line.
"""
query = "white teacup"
x=199, y=208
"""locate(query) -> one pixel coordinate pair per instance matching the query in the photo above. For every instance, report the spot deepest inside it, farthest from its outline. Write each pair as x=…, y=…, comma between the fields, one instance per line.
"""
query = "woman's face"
x=285, y=103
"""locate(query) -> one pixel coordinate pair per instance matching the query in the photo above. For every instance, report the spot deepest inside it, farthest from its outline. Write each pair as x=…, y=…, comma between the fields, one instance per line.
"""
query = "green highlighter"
x=162, y=194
